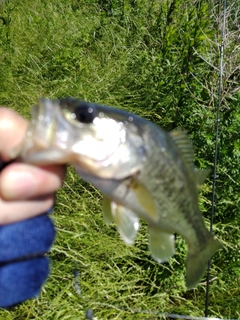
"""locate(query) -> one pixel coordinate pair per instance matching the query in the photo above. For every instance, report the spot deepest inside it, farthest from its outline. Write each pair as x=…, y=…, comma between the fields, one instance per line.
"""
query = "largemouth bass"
x=143, y=172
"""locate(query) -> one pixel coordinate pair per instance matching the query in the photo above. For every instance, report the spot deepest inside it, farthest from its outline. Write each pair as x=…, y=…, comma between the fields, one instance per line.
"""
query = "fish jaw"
x=103, y=147
x=42, y=144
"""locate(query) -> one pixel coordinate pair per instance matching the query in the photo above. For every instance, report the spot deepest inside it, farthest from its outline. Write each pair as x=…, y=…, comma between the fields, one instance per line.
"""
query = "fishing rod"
x=220, y=93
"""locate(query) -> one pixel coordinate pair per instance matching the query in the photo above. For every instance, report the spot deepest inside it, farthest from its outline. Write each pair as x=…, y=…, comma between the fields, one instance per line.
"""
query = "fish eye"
x=84, y=114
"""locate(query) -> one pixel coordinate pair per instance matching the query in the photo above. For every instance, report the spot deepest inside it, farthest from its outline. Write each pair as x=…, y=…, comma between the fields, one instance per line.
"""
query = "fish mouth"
x=42, y=144
x=52, y=139
x=55, y=137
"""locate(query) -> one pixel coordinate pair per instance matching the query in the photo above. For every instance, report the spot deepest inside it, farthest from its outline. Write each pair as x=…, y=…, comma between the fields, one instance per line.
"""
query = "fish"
x=144, y=173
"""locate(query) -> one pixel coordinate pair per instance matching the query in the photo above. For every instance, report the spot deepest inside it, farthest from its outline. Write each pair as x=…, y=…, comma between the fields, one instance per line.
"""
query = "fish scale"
x=142, y=171
x=165, y=190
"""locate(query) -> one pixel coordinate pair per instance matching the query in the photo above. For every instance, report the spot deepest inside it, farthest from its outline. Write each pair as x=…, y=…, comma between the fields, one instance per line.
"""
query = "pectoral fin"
x=145, y=200
x=107, y=210
x=161, y=245
x=127, y=222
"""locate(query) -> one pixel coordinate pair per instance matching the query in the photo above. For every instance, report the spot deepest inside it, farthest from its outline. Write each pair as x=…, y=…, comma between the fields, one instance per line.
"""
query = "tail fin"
x=197, y=262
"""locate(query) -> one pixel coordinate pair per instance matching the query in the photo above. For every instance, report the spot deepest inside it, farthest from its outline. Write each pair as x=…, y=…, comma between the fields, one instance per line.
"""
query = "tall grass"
x=71, y=48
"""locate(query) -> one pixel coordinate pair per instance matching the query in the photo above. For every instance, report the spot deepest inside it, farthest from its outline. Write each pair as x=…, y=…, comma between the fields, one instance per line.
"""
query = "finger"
x=10, y=121
x=20, y=181
x=14, y=211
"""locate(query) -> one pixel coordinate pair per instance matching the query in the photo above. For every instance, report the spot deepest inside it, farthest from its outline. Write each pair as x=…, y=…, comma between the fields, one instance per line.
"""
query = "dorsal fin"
x=200, y=176
x=184, y=145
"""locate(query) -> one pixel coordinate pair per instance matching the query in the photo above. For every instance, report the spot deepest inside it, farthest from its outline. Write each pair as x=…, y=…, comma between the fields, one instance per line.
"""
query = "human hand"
x=26, y=193
x=25, y=190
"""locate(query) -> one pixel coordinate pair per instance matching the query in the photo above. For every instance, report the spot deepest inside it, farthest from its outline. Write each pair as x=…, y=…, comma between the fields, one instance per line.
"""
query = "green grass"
x=116, y=281
x=58, y=48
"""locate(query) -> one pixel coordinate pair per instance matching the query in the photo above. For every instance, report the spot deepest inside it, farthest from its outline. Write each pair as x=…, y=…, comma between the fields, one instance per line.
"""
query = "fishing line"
x=221, y=50
x=220, y=92
x=76, y=280
x=164, y=315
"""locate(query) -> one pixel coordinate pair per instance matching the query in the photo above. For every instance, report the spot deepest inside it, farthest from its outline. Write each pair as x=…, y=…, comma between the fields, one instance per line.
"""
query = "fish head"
x=97, y=140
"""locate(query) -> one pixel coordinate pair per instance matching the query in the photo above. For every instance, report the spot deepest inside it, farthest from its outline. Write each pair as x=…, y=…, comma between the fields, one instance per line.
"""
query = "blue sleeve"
x=23, y=264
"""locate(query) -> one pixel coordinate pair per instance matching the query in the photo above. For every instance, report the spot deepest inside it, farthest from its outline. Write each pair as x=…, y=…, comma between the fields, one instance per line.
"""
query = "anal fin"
x=161, y=244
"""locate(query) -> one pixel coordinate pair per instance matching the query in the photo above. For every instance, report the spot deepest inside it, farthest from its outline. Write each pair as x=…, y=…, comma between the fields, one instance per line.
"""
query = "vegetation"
x=158, y=59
